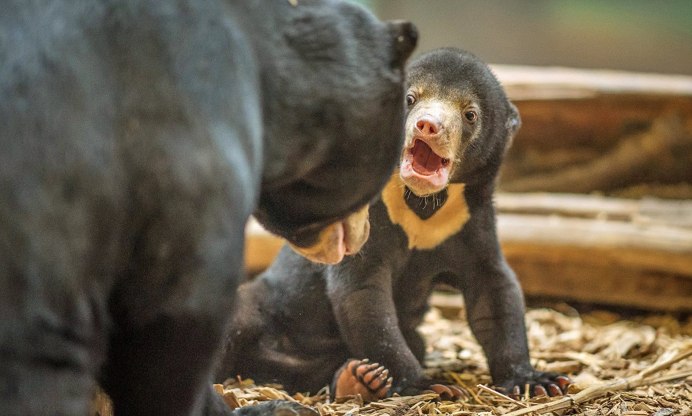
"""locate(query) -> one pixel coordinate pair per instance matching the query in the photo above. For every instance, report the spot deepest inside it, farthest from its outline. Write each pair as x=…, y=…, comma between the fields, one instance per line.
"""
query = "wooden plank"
x=634, y=253
x=567, y=157
x=675, y=213
x=573, y=275
x=614, y=132
x=261, y=247
x=662, y=248
x=597, y=261
x=564, y=107
x=550, y=83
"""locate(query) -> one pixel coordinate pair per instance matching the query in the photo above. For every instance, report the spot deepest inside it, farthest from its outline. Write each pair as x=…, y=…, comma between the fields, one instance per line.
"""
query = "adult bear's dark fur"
x=136, y=138
x=298, y=322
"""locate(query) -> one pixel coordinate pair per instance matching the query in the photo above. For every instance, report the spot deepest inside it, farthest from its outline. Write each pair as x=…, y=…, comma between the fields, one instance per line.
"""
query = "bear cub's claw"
x=538, y=384
x=448, y=391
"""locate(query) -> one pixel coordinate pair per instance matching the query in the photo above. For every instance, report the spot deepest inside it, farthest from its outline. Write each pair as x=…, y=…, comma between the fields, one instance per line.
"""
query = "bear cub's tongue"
x=425, y=161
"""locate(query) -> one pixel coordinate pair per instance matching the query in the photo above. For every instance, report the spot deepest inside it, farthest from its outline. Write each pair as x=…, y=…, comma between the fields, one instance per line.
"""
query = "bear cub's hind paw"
x=370, y=380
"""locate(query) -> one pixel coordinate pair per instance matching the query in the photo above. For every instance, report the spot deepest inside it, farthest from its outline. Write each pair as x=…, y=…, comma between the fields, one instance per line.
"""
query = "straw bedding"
x=622, y=367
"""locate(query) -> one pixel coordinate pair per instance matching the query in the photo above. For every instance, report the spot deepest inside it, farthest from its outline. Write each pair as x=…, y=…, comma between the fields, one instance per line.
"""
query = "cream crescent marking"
x=426, y=234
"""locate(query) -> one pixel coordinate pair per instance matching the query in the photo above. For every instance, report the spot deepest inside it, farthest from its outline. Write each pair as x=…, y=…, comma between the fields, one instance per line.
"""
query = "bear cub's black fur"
x=298, y=322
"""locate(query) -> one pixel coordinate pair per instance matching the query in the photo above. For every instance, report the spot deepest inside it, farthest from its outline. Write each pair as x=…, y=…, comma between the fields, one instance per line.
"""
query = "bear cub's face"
x=457, y=115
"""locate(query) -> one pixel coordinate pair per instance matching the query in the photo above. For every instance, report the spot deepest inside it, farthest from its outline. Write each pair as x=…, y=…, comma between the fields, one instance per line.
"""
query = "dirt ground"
x=636, y=366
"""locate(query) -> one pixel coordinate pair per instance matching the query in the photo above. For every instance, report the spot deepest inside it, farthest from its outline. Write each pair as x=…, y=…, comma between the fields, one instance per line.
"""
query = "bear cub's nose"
x=428, y=126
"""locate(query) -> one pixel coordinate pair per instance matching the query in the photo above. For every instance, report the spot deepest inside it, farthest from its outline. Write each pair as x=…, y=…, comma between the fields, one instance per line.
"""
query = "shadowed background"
x=633, y=35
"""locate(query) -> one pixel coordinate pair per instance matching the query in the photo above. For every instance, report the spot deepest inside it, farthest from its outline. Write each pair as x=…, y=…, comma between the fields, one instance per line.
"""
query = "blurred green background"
x=634, y=35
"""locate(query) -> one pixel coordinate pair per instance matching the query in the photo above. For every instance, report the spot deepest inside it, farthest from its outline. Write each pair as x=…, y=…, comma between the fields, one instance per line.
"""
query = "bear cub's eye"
x=410, y=99
x=471, y=116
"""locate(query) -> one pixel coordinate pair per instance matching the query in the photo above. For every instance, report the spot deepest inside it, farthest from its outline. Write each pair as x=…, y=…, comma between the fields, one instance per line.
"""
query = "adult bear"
x=137, y=138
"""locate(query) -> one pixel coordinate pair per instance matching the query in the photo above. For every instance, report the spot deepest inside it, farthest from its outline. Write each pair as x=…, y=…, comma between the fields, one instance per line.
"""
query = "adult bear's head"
x=333, y=93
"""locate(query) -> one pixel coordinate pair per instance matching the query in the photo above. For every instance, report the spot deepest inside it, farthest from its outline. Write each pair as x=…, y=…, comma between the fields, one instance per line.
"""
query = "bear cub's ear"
x=404, y=37
x=513, y=124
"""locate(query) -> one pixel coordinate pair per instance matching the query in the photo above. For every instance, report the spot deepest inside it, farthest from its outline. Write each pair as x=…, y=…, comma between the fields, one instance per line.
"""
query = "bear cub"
x=298, y=322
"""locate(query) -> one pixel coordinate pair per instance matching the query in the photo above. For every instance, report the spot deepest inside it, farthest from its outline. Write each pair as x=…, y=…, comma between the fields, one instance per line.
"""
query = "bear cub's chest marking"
x=425, y=207
x=434, y=225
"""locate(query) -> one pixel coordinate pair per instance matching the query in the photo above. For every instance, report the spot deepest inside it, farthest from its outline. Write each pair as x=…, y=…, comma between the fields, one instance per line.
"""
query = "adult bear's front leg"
x=163, y=367
x=170, y=316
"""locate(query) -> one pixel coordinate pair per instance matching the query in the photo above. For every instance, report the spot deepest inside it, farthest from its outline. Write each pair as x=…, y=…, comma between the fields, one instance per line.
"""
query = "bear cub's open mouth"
x=425, y=161
x=423, y=171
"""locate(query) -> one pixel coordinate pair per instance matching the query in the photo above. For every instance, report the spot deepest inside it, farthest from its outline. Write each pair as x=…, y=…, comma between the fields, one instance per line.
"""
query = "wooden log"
x=623, y=244
x=597, y=261
x=662, y=153
x=586, y=130
x=593, y=249
x=568, y=108
x=635, y=253
x=261, y=247
x=550, y=83
x=647, y=211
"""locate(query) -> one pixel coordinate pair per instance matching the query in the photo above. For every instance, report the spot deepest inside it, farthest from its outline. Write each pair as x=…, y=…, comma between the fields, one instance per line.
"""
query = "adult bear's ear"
x=405, y=37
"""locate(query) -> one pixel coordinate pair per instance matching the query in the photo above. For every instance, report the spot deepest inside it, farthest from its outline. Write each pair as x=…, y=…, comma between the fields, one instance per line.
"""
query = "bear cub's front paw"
x=536, y=383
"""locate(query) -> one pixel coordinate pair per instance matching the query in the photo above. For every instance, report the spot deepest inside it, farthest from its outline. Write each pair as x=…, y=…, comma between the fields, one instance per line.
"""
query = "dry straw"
x=619, y=367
